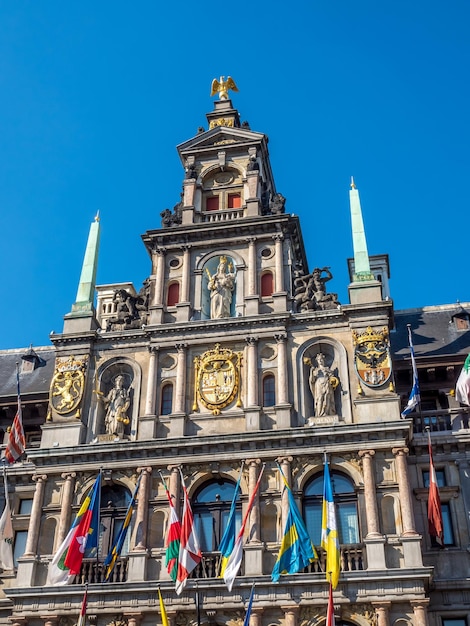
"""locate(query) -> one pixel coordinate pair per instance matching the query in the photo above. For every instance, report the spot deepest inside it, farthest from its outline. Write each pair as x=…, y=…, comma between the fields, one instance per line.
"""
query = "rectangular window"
x=19, y=545
x=234, y=201
x=440, y=477
x=212, y=203
x=347, y=522
x=454, y=621
x=25, y=507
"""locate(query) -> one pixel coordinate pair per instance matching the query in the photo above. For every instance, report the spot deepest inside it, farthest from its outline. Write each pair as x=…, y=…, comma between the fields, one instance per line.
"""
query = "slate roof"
x=434, y=332
x=35, y=382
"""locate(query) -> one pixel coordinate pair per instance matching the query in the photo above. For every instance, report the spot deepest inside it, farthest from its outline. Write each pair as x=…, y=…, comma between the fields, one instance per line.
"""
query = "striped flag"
x=415, y=397
x=82, y=618
x=435, y=525
x=329, y=531
x=228, y=539
x=6, y=532
x=162, y=609
x=173, y=538
x=189, y=553
x=330, y=613
x=16, y=440
x=82, y=535
x=115, y=551
x=296, y=550
x=235, y=559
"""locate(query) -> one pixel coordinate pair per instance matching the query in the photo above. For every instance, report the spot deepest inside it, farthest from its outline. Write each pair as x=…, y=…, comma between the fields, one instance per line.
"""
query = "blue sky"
x=94, y=97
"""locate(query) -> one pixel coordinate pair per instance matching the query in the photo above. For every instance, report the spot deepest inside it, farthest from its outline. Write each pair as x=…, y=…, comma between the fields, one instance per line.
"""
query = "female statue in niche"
x=117, y=403
x=322, y=385
x=221, y=286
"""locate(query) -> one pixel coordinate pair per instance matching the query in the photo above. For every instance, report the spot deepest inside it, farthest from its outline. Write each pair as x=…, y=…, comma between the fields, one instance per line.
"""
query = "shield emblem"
x=217, y=379
x=372, y=359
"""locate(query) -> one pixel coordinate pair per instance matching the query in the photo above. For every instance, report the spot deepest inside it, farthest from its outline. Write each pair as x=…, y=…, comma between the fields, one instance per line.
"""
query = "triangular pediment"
x=220, y=136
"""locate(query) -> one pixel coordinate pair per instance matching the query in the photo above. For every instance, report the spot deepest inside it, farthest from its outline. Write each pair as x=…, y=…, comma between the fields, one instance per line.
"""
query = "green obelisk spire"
x=361, y=255
x=83, y=307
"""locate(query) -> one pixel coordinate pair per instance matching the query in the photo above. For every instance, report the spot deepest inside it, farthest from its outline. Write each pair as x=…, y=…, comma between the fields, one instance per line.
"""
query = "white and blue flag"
x=414, y=398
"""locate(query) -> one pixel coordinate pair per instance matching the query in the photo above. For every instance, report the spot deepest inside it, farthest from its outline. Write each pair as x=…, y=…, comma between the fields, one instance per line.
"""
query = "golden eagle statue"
x=222, y=86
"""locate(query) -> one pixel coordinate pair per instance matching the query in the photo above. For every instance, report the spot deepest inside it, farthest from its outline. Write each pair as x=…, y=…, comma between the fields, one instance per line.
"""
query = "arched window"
x=267, y=284
x=211, y=509
x=173, y=296
x=269, y=390
x=166, y=405
x=345, y=499
x=115, y=500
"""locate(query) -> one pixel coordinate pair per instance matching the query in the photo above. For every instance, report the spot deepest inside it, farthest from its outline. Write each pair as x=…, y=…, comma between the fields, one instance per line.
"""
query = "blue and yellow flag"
x=329, y=531
x=296, y=550
x=115, y=551
x=227, y=542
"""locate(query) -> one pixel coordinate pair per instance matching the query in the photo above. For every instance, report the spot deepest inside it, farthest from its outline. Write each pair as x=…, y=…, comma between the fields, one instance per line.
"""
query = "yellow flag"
x=162, y=609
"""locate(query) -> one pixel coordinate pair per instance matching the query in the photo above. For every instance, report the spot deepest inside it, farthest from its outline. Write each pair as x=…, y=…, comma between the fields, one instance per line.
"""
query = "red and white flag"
x=189, y=554
x=435, y=525
x=235, y=559
x=330, y=613
x=16, y=441
x=82, y=618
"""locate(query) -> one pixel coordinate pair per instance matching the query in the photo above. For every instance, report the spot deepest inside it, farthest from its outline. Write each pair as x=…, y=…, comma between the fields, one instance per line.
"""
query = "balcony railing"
x=222, y=216
x=92, y=571
x=441, y=420
x=351, y=559
x=209, y=567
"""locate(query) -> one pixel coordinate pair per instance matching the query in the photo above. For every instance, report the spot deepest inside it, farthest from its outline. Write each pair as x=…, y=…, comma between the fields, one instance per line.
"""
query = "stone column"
x=285, y=463
x=180, y=391
x=281, y=340
x=252, y=273
x=374, y=541
x=151, y=381
x=279, y=286
x=411, y=541
x=291, y=614
x=66, y=506
x=254, y=528
x=382, y=610
x=420, y=612
x=141, y=513
x=35, y=518
x=405, y=491
x=254, y=548
x=283, y=408
x=133, y=619
x=252, y=371
x=156, y=308
x=252, y=410
x=255, y=617
x=159, y=276
x=186, y=273
x=372, y=513
x=174, y=484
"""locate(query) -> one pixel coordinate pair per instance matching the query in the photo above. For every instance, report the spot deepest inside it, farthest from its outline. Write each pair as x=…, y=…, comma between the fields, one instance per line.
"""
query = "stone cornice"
x=267, y=445
x=309, y=589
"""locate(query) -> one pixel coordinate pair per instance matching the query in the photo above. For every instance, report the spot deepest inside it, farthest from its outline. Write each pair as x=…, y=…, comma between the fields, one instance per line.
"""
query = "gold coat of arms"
x=372, y=356
x=217, y=379
x=67, y=386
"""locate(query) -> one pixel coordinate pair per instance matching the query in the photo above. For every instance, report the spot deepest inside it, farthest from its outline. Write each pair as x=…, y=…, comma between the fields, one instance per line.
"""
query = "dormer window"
x=462, y=321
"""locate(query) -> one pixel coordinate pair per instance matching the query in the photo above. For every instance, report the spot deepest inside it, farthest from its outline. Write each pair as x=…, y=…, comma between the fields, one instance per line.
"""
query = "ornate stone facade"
x=177, y=386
